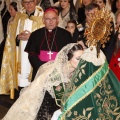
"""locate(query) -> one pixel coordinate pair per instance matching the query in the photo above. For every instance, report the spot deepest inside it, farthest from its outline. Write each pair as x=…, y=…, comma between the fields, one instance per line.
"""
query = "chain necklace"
x=50, y=48
x=62, y=16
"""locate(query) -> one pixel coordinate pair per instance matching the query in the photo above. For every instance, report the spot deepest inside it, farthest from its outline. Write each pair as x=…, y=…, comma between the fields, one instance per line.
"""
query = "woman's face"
x=70, y=27
x=89, y=14
x=118, y=21
x=12, y=11
x=118, y=4
x=64, y=3
x=76, y=58
x=100, y=3
x=86, y=2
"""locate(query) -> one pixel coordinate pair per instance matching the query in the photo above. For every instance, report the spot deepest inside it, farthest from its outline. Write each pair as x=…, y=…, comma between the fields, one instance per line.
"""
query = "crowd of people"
x=47, y=67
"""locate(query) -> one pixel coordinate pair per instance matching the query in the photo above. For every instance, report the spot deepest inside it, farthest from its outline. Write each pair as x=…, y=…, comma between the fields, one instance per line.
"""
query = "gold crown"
x=98, y=28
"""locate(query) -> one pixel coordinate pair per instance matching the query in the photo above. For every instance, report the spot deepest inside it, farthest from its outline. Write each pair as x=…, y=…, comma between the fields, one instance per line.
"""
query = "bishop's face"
x=50, y=20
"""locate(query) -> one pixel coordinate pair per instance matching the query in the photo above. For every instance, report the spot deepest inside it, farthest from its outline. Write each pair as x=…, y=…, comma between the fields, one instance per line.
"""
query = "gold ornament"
x=98, y=28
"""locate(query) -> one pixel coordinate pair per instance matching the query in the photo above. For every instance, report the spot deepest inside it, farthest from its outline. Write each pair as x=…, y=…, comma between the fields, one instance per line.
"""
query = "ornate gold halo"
x=98, y=28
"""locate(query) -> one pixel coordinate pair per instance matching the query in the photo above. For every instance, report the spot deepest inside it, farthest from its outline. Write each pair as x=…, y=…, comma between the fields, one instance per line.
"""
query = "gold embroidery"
x=8, y=76
x=106, y=102
x=69, y=114
x=74, y=89
x=30, y=75
x=86, y=114
x=9, y=70
x=75, y=113
x=18, y=67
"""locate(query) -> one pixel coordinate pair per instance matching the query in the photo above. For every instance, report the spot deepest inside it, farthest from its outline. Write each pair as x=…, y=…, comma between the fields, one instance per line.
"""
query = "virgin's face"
x=76, y=58
x=118, y=4
x=71, y=27
x=12, y=11
x=100, y=3
x=64, y=3
x=86, y=2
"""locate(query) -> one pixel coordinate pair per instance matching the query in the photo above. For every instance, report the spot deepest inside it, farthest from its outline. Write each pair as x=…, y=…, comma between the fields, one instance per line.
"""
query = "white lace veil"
x=30, y=100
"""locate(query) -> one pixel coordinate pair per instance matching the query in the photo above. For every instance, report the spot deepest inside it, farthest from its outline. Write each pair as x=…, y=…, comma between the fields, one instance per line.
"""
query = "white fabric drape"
x=50, y=74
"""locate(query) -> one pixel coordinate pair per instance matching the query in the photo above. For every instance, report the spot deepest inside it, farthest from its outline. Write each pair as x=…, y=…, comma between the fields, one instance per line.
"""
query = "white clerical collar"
x=53, y=30
x=50, y=30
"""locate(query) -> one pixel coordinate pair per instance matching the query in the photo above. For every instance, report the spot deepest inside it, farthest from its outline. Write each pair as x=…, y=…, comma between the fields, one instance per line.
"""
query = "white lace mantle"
x=27, y=105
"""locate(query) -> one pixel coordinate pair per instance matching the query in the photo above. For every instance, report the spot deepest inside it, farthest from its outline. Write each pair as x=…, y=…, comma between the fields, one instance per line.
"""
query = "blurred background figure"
x=67, y=12
x=115, y=60
x=77, y=4
x=5, y=15
x=13, y=9
x=117, y=6
x=1, y=32
x=81, y=11
x=72, y=28
x=45, y=3
x=104, y=4
x=101, y=3
x=5, y=12
x=1, y=26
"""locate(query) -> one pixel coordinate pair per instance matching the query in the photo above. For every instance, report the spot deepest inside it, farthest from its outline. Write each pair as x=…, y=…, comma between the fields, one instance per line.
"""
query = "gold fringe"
x=12, y=93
